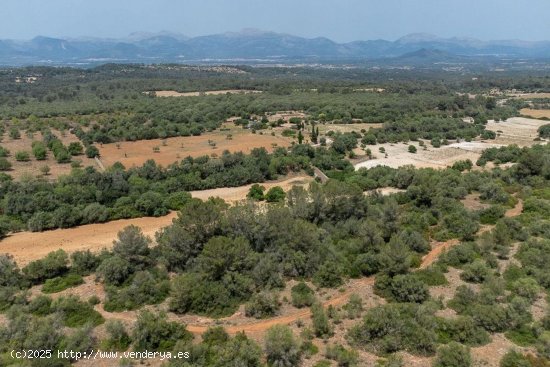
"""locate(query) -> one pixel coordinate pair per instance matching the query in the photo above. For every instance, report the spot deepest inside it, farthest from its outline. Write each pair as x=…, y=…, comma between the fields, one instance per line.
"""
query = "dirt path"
x=28, y=246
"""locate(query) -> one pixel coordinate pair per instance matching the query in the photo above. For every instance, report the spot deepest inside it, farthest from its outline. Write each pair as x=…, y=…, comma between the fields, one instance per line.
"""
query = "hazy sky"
x=340, y=20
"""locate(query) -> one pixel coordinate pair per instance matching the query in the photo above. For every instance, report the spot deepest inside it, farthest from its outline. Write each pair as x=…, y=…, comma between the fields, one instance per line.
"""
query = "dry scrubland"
x=517, y=130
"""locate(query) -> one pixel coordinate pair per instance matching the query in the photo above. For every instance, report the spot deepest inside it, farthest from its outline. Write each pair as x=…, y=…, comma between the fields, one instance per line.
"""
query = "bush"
x=118, y=339
x=491, y=214
x=256, y=192
x=114, y=270
x=476, y=272
x=407, y=288
x=354, y=307
x=4, y=152
x=92, y=151
x=76, y=313
x=281, y=348
x=154, y=333
x=321, y=325
x=145, y=288
x=275, y=195
x=262, y=305
x=302, y=295
x=58, y=284
x=75, y=148
x=453, y=355
x=412, y=149
x=344, y=357
x=514, y=359
x=53, y=265
x=328, y=275
x=84, y=262
x=40, y=306
x=22, y=156
x=39, y=150
x=462, y=330
x=10, y=276
x=4, y=164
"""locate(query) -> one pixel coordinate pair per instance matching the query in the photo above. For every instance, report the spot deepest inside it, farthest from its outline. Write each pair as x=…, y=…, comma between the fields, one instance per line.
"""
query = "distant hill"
x=258, y=46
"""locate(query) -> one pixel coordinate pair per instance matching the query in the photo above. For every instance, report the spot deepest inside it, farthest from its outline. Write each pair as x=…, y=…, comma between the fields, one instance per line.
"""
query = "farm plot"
x=32, y=166
x=538, y=114
x=167, y=151
x=173, y=93
x=517, y=130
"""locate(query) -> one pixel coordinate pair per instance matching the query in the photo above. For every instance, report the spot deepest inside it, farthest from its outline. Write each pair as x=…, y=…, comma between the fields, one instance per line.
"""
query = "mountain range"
x=255, y=46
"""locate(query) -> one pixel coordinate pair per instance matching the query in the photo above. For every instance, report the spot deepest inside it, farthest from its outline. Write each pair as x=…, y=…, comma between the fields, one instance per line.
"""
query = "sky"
x=339, y=20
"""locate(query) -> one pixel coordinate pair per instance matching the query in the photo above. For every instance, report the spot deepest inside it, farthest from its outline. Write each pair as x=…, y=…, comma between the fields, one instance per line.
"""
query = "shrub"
x=39, y=150
x=462, y=330
x=321, y=325
x=453, y=355
x=40, y=305
x=153, y=332
x=262, y=305
x=58, y=284
x=4, y=164
x=53, y=265
x=412, y=149
x=114, y=270
x=4, y=152
x=75, y=148
x=22, y=156
x=10, y=276
x=145, y=288
x=92, y=151
x=302, y=295
x=491, y=214
x=118, y=339
x=514, y=359
x=76, y=313
x=476, y=272
x=354, y=307
x=408, y=288
x=84, y=262
x=256, y=192
x=328, y=275
x=275, y=195
x=281, y=348
x=344, y=357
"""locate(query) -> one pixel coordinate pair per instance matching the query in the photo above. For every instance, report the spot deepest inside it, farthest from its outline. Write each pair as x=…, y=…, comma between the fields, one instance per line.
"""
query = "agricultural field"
x=538, y=114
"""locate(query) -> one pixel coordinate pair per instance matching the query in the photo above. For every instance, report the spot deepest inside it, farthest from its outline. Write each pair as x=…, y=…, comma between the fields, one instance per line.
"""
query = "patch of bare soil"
x=516, y=130
x=490, y=354
x=473, y=202
x=170, y=150
x=535, y=113
x=173, y=93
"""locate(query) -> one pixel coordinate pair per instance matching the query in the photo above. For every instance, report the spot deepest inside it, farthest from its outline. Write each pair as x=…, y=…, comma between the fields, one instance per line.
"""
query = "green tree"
x=256, y=192
x=453, y=355
x=275, y=195
x=281, y=349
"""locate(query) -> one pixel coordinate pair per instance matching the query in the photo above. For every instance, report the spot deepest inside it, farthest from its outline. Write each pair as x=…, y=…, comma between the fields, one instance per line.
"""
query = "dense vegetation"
x=279, y=250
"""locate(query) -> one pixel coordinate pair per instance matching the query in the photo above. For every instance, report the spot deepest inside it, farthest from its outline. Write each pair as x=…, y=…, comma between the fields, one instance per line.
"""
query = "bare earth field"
x=29, y=246
x=32, y=167
x=135, y=153
x=535, y=113
x=173, y=93
x=517, y=130
x=530, y=95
